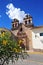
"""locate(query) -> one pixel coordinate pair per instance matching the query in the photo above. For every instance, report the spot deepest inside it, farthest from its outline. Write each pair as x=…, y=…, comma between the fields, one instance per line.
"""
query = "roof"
x=15, y=20
x=27, y=17
x=5, y=30
x=37, y=27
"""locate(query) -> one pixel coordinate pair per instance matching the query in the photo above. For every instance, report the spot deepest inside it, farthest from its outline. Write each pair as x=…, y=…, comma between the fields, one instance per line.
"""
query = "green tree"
x=9, y=49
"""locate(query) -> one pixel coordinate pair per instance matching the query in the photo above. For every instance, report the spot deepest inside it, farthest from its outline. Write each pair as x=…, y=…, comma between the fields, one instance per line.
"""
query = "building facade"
x=31, y=36
x=37, y=38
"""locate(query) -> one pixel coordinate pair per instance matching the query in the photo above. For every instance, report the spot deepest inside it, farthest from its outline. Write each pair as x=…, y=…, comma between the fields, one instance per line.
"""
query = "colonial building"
x=32, y=36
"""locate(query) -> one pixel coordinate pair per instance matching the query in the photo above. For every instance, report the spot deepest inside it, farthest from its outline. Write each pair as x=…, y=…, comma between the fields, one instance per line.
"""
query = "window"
x=29, y=21
x=13, y=25
x=21, y=29
x=25, y=22
x=41, y=34
x=16, y=24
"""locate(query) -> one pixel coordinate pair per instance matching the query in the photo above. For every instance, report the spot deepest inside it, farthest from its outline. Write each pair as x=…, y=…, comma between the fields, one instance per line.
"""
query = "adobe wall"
x=29, y=37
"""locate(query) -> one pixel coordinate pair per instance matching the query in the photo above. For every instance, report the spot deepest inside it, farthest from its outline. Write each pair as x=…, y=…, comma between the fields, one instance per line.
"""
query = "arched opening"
x=22, y=38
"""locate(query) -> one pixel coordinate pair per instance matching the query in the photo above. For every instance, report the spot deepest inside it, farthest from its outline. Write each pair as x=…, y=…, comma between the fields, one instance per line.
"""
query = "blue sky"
x=32, y=7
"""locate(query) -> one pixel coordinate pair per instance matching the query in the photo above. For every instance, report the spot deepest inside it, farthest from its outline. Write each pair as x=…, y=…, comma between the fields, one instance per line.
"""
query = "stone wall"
x=28, y=32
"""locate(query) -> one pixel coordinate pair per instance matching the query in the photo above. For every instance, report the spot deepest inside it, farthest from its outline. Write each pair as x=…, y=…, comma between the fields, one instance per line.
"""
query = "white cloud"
x=14, y=12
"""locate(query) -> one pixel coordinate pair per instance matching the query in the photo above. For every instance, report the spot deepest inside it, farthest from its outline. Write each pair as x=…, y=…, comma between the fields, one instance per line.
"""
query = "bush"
x=9, y=49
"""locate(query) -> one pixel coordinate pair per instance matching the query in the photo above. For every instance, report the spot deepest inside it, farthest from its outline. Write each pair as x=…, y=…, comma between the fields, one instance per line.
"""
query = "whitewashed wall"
x=37, y=40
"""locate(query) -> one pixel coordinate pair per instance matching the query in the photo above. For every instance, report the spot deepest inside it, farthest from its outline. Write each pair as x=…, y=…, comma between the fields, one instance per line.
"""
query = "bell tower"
x=15, y=24
x=28, y=21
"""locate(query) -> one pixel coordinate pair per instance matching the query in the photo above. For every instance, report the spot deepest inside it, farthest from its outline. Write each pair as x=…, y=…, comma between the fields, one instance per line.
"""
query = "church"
x=32, y=36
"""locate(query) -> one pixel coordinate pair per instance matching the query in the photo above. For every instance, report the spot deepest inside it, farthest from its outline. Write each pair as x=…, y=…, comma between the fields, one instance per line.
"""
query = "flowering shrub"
x=20, y=42
x=9, y=48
